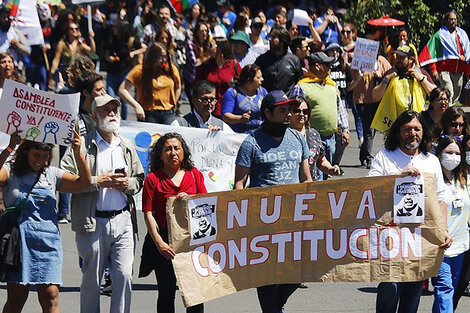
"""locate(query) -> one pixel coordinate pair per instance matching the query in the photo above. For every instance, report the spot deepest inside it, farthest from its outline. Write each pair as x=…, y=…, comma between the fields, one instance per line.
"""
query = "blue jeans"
x=36, y=74
x=112, y=86
x=273, y=297
x=445, y=282
x=357, y=118
x=329, y=143
x=389, y=294
x=160, y=116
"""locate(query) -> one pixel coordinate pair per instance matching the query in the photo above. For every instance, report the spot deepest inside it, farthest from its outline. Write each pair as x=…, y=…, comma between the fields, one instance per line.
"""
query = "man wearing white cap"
x=103, y=215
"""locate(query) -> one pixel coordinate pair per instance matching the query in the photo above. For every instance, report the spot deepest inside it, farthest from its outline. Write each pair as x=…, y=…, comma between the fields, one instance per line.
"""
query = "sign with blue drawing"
x=42, y=116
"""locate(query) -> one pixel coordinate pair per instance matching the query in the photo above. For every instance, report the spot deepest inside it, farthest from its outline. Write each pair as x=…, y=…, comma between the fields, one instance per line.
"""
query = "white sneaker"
x=360, y=142
x=63, y=220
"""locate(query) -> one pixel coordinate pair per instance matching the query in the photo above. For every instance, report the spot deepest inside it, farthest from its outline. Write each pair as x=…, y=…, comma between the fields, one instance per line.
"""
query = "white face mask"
x=467, y=157
x=450, y=161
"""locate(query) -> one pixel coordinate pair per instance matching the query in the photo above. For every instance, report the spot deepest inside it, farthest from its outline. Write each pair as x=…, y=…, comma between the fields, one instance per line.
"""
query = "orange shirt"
x=164, y=88
x=362, y=93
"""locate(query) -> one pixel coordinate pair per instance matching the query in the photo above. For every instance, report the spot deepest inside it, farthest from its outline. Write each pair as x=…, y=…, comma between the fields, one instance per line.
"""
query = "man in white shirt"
x=103, y=215
x=406, y=152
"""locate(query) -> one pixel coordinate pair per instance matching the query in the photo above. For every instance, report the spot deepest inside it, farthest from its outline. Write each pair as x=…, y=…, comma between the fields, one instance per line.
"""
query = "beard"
x=412, y=146
x=109, y=124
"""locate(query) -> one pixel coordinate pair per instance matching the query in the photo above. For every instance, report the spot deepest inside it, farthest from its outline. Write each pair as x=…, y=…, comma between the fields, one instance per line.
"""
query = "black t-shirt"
x=279, y=72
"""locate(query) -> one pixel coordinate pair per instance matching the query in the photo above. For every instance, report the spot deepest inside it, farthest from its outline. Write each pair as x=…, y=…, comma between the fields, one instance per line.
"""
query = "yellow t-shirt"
x=164, y=88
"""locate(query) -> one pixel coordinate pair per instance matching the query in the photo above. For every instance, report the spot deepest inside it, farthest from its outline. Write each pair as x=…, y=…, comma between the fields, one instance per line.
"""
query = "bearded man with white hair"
x=103, y=215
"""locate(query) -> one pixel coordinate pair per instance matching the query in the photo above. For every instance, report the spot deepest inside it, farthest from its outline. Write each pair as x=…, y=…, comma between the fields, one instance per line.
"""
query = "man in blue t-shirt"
x=273, y=155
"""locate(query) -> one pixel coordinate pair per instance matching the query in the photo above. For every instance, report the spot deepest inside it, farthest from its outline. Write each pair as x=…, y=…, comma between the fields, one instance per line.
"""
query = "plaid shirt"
x=343, y=123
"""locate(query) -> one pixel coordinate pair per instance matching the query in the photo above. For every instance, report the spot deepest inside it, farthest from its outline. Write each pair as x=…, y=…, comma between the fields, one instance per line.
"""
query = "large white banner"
x=27, y=21
x=213, y=153
x=42, y=116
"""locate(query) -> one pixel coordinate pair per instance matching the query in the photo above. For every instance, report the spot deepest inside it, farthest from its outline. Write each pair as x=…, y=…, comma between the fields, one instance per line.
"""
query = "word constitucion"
x=366, y=243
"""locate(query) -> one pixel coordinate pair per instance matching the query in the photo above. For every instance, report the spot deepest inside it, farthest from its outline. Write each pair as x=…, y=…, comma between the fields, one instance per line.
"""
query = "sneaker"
x=467, y=291
x=360, y=142
x=106, y=289
x=63, y=220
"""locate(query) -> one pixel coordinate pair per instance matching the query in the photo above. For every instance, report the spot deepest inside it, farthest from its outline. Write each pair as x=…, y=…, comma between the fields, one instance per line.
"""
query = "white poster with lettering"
x=365, y=54
x=40, y=115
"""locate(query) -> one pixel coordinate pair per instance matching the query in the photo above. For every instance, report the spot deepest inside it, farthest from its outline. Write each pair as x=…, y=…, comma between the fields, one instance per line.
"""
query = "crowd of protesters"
x=287, y=86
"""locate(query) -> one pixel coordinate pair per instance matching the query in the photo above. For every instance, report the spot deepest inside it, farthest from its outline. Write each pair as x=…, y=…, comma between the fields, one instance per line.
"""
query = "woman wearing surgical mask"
x=457, y=202
x=465, y=274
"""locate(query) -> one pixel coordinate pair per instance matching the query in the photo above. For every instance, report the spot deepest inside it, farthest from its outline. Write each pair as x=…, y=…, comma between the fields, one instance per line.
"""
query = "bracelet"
x=10, y=150
x=422, y=79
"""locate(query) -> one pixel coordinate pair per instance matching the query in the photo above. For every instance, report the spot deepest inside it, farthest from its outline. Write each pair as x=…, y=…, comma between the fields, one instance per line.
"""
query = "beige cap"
x=103, y=100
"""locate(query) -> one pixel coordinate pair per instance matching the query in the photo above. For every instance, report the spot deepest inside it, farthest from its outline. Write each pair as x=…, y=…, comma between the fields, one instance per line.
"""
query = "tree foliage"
x=420, y=19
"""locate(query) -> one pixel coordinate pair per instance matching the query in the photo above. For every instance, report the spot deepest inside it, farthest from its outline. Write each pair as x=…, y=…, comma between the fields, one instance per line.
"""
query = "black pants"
x=367, y=113
x=166, y=281
x=273, y=297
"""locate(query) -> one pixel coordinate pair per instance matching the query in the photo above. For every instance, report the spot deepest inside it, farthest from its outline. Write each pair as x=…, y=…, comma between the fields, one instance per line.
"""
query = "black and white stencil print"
x=408, y=198
x=202, y=214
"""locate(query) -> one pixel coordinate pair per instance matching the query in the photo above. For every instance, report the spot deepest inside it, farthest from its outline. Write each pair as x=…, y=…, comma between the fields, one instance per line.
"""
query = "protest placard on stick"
x=365, y=55
x=42, y=116
x=331, y=231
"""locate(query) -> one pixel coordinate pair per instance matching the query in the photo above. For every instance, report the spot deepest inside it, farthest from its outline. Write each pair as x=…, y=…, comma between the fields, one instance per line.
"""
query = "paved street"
x=319, y=297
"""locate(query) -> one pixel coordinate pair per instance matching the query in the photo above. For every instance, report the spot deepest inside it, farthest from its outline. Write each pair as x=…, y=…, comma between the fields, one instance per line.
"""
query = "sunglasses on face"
x=442, y=100
x=299, y=111
x=206, y=100
x=346, y=32
x=73, y=28
x=457, y=125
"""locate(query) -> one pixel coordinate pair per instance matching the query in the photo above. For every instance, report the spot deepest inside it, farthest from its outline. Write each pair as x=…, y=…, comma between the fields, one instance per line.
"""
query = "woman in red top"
x=219, y=70
x=172, y=175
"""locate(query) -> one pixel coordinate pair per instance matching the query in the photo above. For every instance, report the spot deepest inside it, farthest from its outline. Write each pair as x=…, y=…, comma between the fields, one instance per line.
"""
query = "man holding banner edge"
x=260, y=156
x=406, y=152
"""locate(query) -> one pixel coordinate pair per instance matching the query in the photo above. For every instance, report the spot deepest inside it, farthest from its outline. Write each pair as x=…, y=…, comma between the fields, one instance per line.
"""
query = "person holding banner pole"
x=272, y=147
x=172, y=175
x=406, y=152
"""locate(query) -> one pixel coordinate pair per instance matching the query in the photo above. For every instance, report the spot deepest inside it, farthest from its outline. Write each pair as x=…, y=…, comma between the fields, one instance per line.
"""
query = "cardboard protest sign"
x=42, y=116
x=365, y=54
x=213, y=153
x=331, y=231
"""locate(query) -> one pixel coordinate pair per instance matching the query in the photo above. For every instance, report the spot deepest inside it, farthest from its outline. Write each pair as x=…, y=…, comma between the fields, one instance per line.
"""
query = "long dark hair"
x=154, y=51
x=450, y=115
x=20, y=165
x=392, y=136
x=460, y=172
x=157, y=149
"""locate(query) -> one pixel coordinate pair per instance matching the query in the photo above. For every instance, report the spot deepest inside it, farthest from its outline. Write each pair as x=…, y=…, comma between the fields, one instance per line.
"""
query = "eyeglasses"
x=73, y=28
x=442, y=100
x=455, y=124
x=299, y=111
x=206, y=100
x=346, y=32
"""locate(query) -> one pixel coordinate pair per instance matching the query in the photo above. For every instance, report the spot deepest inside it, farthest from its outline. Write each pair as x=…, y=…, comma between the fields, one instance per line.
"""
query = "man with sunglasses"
x=402, y=88
x=204, y=101
x=328, y=112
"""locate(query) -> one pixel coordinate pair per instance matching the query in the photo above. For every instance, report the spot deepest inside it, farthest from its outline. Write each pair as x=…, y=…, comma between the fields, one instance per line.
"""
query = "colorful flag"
x=442, y=46
x=13, y=6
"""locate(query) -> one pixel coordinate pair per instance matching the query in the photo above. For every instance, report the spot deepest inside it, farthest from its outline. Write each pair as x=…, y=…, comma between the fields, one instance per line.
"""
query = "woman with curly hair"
x=172, y=175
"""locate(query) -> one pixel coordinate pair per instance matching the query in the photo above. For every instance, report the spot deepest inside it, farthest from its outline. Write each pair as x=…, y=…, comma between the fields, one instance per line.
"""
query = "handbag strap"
x=22, y=203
